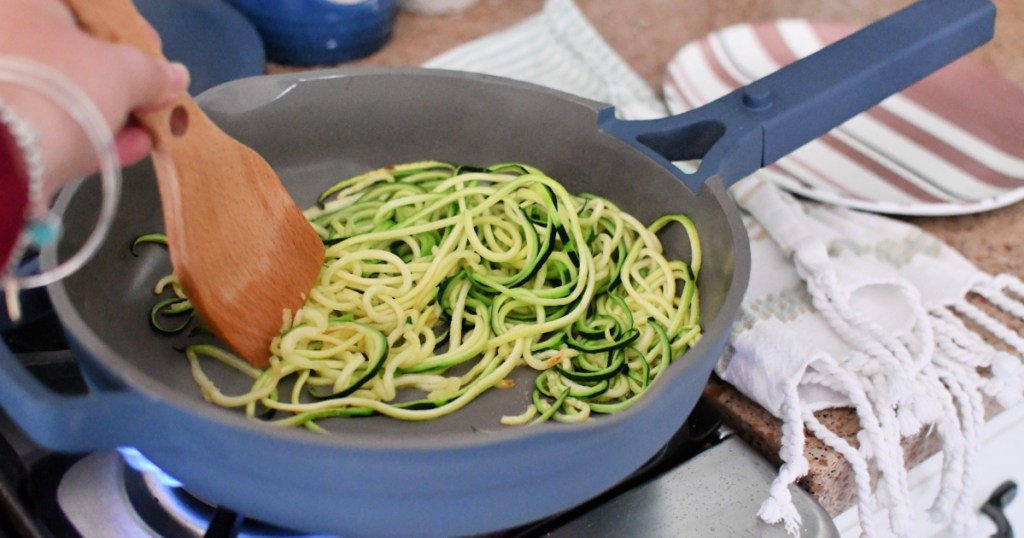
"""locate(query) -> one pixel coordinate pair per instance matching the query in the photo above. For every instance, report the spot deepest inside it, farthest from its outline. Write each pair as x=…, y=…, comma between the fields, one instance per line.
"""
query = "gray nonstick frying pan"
x=380, y=477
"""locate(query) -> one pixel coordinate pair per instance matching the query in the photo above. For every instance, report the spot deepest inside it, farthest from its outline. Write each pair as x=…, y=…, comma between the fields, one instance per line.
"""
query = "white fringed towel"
x=857, y=310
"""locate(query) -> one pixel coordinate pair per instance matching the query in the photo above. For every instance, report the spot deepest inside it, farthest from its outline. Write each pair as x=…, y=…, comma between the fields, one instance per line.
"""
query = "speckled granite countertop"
x=647, y=33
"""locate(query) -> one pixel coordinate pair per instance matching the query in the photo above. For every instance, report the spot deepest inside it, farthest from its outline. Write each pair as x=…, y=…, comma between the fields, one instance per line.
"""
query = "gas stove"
x=704, y=482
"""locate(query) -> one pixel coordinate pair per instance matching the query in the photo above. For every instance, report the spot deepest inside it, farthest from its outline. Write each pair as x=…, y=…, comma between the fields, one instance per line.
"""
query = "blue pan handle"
x=764, y=121
x=70, y=423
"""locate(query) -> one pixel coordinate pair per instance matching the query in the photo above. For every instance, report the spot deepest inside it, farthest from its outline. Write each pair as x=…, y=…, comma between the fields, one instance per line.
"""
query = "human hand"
x=118, y=78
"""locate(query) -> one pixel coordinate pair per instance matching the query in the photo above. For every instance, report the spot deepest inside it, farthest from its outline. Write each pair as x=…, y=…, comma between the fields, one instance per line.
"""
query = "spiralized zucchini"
x=439, y=280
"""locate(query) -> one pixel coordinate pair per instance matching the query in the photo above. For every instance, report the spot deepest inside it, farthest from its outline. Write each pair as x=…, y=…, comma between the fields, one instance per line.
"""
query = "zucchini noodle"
x=439, y=280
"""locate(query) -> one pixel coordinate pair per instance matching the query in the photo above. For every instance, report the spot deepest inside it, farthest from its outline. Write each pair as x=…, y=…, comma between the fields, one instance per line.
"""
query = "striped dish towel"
x=948, y=145
x=558, y=48
x=844, y=308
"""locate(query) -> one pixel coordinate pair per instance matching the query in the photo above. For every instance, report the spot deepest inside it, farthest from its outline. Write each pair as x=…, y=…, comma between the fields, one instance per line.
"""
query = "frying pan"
x=463, y=474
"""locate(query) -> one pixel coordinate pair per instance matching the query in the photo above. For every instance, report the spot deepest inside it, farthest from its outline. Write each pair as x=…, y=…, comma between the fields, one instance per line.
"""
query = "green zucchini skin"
x=614, y=315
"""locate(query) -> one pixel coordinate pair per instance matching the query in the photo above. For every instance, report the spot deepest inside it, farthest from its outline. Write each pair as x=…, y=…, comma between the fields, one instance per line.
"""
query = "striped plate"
x=951, y=144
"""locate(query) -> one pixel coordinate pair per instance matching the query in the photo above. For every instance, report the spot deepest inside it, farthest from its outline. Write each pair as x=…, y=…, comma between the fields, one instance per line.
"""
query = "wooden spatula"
x=238, y=242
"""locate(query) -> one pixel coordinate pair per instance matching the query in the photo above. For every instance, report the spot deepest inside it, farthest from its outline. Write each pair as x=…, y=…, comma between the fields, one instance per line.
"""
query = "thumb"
x=149, y=82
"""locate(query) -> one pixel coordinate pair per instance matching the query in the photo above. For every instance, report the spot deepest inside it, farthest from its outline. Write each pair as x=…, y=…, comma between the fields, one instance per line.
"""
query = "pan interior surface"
x=317, y=131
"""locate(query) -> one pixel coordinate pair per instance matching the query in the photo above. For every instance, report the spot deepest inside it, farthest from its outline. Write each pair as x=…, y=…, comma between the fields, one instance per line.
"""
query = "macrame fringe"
x=933, y=377
x=779, y=507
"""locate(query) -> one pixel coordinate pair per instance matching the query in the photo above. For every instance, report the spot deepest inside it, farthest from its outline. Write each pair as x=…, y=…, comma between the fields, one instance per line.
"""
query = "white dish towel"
x=844, y=308
x=849, y=309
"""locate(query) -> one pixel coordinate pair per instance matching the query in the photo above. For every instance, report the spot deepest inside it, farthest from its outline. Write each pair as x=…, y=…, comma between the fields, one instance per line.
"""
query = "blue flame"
x=137, y=461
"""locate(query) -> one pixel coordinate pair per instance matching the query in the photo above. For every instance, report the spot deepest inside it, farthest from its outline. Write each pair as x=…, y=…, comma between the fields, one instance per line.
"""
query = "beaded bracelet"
x=27, y=144
x=42, y=227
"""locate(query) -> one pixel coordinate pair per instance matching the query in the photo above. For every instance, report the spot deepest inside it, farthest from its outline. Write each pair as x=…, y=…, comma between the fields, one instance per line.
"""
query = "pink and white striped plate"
x=951, y=144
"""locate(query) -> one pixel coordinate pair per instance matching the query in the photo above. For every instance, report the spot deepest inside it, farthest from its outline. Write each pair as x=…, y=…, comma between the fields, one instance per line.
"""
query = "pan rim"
x=144, y=385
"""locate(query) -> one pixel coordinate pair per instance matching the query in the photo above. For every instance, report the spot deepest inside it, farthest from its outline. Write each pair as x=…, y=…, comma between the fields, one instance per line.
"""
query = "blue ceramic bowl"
x=318, y=32
x=191, y=29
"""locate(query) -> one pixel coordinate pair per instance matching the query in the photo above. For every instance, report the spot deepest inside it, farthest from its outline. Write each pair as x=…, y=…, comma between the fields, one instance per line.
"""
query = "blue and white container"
x=320, y=32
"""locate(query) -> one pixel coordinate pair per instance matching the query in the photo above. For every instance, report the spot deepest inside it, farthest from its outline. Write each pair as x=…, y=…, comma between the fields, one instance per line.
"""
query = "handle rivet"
x=757, y=97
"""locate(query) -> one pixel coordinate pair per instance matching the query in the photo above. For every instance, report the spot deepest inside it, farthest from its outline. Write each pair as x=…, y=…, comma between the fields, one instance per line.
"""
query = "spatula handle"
x=118, y=21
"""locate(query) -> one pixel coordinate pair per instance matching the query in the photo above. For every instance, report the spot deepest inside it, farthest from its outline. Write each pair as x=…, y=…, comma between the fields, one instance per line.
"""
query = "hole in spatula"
x=178, y=121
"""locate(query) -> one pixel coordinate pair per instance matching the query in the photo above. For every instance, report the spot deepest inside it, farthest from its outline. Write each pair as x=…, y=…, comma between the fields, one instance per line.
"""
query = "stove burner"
x=166, y=506
x=89, y=494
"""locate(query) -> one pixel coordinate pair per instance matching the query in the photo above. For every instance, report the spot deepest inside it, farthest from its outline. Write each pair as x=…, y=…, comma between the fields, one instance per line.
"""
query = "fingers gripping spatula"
x=239, y=244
